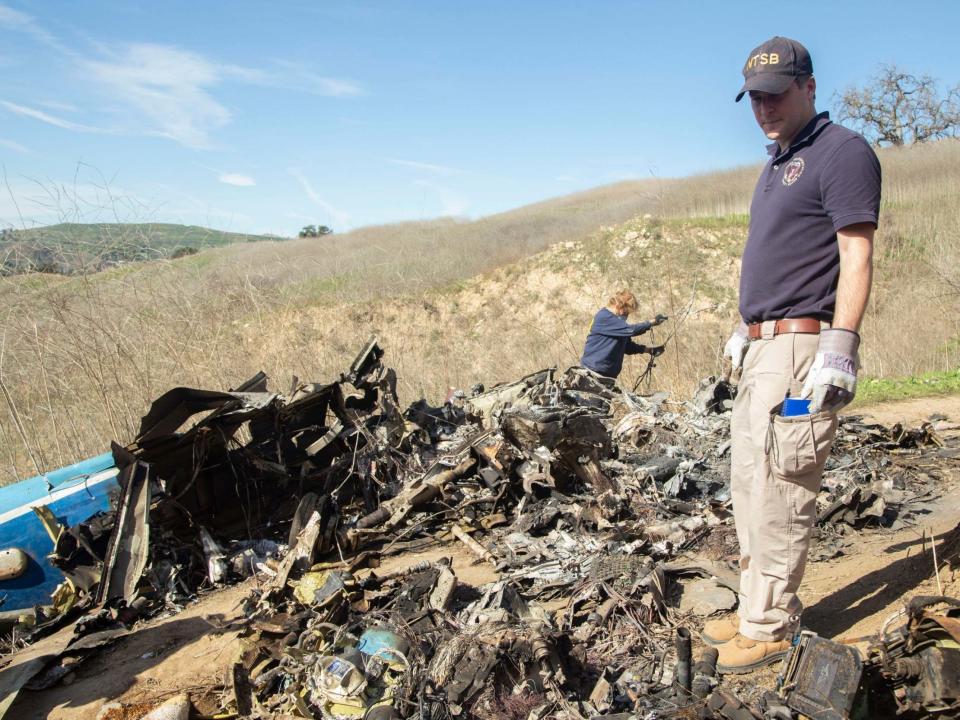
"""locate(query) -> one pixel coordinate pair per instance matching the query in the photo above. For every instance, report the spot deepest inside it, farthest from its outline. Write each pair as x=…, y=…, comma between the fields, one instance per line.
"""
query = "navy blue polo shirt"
x=827, y=179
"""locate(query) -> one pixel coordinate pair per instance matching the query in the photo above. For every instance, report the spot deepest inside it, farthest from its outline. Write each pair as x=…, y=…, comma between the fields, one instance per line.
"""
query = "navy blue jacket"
x=608, y=341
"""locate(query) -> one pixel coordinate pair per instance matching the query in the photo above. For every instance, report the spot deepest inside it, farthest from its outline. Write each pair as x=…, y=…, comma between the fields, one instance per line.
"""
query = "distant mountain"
x=70, y=248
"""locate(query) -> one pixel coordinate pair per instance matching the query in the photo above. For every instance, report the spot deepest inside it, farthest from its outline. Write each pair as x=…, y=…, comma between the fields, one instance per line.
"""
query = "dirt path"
x=912, y=412
x=187, y=652
x=853, y=595
x=848, y=597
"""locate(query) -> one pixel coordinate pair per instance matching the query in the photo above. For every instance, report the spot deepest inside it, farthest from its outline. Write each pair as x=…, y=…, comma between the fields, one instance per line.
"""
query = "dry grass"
x=455, y=303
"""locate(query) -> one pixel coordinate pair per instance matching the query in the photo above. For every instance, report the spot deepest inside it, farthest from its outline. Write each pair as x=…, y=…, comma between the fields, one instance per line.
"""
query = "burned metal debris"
x=588, y=502
x=910, y=672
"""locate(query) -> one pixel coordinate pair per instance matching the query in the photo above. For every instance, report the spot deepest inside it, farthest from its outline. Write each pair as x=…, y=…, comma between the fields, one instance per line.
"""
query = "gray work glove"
x=653, y=351
x=832, y=381
x=659, y=320
x=736, y=349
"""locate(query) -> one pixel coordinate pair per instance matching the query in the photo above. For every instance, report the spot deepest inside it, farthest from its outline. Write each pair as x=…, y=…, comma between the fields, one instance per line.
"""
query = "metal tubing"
x=682, y=641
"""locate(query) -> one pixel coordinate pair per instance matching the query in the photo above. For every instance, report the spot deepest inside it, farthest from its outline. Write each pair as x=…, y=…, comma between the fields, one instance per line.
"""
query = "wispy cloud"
x=21, y=22
x=173, y=88
x=237, y=179
x=49, y=119
x=428, y=167
x=453, y=204
x=338, y=218
x=169, y=86
x=298, y=77
x=229, y=178
x=15, y=146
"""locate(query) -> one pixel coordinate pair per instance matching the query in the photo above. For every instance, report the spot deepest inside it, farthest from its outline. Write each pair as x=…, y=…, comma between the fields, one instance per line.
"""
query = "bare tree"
x=897, y=108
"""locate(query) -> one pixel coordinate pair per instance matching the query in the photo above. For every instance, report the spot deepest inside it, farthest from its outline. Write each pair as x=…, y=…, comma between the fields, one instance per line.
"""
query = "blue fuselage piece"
x=73, y=494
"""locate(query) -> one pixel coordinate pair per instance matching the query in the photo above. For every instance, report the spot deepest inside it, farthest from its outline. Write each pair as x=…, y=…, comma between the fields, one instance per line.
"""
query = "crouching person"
x=610, y=336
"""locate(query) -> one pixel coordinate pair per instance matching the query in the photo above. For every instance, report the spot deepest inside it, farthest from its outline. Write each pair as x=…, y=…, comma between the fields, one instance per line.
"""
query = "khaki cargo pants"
x=777, y=464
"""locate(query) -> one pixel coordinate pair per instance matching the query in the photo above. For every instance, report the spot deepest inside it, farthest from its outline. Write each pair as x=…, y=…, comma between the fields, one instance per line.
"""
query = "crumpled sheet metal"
x=129, y=548
x=611, y=566
x=582, y=496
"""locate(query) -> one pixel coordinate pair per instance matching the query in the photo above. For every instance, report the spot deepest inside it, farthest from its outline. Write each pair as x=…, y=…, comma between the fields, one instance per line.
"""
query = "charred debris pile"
x=605, y=516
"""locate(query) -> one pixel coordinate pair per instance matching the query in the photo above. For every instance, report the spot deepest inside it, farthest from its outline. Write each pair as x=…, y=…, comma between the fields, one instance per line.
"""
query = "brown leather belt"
x=810, y=326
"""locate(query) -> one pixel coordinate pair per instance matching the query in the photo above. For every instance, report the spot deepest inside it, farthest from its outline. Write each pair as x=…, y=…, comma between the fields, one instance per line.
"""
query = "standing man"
x=804, y=284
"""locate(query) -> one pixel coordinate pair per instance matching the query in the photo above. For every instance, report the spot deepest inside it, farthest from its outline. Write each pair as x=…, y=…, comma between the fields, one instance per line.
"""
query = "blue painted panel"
x=12, y=496
x=73, y=500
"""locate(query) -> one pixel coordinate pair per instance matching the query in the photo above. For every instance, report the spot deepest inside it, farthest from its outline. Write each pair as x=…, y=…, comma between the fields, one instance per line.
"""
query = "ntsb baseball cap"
x=773, y=65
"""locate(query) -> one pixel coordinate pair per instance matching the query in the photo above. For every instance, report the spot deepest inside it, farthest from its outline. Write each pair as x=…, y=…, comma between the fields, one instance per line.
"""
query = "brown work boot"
x=721, y=630
x=741, y=655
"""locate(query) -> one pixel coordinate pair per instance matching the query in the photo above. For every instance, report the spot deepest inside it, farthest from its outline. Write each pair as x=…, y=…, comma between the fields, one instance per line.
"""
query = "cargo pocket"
x=798, y=446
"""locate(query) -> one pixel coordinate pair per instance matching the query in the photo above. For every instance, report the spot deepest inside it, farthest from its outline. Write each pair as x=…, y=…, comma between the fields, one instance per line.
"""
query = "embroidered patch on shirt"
x=793, y=171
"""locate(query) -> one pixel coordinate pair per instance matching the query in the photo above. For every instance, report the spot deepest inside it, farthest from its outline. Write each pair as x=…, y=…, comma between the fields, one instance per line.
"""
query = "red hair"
x=623, y=303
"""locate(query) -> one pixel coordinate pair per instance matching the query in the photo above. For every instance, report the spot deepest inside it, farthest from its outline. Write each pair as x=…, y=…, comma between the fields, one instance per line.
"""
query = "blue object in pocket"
x=795, y=406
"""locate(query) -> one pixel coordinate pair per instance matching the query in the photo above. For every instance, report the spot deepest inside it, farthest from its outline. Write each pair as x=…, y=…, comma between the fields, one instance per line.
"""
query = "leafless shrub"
x=898, y=108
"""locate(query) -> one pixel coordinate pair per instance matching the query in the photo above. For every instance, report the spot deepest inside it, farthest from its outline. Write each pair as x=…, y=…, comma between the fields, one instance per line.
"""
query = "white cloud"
x=172, y=88
x=15, y=20
x=229, y=178
x=15, y=146
x=298, y=77
x=329, y=86
x=338, y=218
x=49, y=119
x=429, y=167
x=237, y=179
x=453, y=205
x=167, y=85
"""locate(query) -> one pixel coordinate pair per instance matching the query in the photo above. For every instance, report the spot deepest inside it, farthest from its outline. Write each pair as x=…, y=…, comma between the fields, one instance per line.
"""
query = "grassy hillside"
x=455, y=302
x=88, y=247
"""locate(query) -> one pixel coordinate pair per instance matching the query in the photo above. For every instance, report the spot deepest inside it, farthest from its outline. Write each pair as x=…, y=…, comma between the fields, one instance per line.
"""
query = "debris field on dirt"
x=606, y=516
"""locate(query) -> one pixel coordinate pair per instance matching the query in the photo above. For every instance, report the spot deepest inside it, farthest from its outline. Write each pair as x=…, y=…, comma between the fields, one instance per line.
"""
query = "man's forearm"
x=856, y=276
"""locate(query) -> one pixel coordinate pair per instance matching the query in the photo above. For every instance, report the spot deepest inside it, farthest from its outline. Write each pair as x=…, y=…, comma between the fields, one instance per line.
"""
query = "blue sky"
x=263, y=117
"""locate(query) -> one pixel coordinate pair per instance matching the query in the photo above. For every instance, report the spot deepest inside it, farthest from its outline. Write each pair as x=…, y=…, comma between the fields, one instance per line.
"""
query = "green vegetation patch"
x=716, y=222
x=873, y=390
